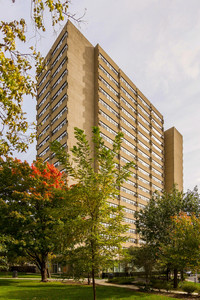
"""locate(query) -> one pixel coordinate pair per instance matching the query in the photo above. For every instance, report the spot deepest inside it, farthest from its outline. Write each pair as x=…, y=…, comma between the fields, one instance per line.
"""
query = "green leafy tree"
x=98, y=177
x=183, y=250
x=16, y=77
x=31, y=207
x=154, y=221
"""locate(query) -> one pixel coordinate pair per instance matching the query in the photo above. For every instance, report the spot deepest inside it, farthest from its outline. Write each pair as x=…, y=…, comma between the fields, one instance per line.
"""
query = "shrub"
x=189, y=287
x=121, y=280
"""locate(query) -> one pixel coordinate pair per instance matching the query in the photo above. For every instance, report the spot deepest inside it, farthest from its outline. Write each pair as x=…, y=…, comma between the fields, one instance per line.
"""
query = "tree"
x=16, y=78
x=31, y=208
x=183, y=250
x=98, y=177
x=154, y=221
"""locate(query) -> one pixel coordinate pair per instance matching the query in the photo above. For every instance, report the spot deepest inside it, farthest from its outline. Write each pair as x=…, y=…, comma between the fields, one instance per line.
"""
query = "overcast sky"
x=157, y=44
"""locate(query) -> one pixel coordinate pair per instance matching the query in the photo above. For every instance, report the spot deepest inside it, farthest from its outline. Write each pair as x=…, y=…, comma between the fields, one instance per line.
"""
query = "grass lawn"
x=20, y=275
x=35, y=290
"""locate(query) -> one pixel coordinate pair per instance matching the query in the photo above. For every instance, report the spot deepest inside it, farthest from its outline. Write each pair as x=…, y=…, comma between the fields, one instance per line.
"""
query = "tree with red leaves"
x=32, y=201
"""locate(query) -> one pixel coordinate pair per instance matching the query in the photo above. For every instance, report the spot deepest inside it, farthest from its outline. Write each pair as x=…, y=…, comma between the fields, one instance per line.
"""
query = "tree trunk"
x=167, y=274
x=88, y=279
x=48, y=273
x=44, y=270
x=93, y=284
x=175, y=278
x=182, y=275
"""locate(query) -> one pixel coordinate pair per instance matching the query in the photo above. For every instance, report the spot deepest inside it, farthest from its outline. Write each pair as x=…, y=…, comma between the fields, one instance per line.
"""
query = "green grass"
x=35, y=290
x=20, y=275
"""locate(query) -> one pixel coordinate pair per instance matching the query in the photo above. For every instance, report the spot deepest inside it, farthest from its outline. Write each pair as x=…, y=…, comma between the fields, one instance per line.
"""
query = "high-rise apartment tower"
x=82, y=86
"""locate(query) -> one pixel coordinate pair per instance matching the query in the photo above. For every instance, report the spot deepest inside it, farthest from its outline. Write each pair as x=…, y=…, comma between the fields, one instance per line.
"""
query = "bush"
x=121, y=280
x=161, y=284
x=189, y=287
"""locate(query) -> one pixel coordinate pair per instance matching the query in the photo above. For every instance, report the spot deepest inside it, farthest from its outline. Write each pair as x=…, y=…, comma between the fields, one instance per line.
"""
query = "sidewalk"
x=135, y=288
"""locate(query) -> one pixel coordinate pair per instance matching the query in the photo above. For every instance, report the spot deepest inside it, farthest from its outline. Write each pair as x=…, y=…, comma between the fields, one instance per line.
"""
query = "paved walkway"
x=133, y=287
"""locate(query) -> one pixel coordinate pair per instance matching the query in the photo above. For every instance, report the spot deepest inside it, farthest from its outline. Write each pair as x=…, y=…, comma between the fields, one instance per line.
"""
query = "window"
x=44, y=131
x=128, y=133
x=106, y=138
x=44, y=152
x=59, y=56
x=59, y=115
x=109, y=76
x=128, y=114
x=127, y=191
x=143, y=162
x=60, y=137
x=128, y=210
x=43, y=142
x=125, y=160
x=141, y=205
x=144, y=128
x=44, y=110
x=143, y=119
x=108, y=118
x=153, y=121
x=143, y=136
x=59, y=126
x=156, y=115
x=157, y=132
x=157, y=148
x=130, y=182
x=59, y=102
x=108, y=86
x=144, y=103
x=128, y=152
x=124, y=199
x=108, y=107
x=108, y=97
x=128, y=220
x=128, y=95
x=107, y=128
x=59, y=67
x=143, y=189
x=44, y=78
x=128, y=143
x=143, y=171
x=156, y=155
x=143, y=145
x=156, y=187
x=128, y=85
x=143, y=198
x=59, y=79
x=143, y=154
x=157, y=164
x=143, y=110
x=112, y=205
x=157, y=140
x=43, y=100
x=44, y=89
x=143, y=180
x=157, y=180
x=47, y=159
x=59, y=44
x=156, y=171
x=127, y=123
x=127, y=104
x=59, y=91
x=45, y=119
x=130, y=230
x=108, y=64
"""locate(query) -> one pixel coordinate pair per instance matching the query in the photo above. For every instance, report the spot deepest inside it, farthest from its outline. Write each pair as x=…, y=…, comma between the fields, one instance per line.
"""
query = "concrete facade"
x=82, y=86
x=173, y=142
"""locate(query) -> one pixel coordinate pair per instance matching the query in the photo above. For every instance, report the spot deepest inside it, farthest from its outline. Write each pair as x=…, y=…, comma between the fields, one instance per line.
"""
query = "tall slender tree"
x=98, y=177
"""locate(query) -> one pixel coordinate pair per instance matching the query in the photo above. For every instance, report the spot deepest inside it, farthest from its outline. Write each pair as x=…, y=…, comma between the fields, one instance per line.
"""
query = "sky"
x=156, y=43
